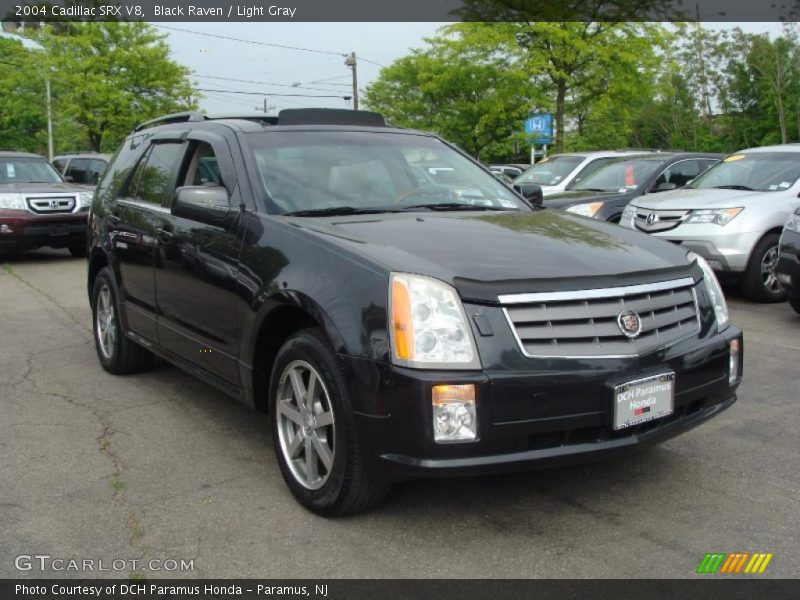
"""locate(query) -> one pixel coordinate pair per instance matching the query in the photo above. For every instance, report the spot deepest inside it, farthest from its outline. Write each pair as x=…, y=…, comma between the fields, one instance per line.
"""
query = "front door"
x=197, y=269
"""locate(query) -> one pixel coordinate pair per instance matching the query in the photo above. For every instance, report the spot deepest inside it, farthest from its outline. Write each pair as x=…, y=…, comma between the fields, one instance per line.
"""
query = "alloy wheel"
x=306, y=424
x=106, y=322
x=768, y=264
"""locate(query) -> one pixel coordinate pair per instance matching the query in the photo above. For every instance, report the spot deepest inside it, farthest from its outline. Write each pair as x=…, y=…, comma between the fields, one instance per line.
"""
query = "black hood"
x=484, y=254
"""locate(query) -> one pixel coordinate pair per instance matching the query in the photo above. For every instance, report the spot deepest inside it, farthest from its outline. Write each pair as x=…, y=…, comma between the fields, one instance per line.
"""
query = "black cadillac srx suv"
x=397, y=310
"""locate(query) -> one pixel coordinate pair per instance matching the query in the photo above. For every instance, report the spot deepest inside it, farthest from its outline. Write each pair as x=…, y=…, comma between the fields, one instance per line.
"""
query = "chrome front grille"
x=586, y=323
x=51, y=204
x=653, y=221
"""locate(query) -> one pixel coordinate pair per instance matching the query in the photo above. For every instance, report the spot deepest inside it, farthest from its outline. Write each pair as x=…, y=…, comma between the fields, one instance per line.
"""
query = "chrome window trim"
x=591, y=294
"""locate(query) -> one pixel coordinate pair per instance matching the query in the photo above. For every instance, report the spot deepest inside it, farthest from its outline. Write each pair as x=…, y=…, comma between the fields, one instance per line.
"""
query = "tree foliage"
x=105, y=78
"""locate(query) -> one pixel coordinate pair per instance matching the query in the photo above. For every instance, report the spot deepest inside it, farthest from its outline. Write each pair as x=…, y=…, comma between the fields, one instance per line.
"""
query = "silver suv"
x=732, y=215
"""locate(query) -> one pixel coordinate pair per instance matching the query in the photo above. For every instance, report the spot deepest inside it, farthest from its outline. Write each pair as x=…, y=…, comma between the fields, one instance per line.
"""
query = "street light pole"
x=49, y=122
x=351, y=62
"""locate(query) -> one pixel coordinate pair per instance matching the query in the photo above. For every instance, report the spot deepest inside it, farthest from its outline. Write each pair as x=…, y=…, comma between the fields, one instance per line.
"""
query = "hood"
x=39, y=188
x=696, y=199
x=571, y=198
x=484, y=254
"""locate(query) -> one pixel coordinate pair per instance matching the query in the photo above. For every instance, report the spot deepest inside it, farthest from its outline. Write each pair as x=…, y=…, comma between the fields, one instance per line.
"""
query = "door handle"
x=164, y=235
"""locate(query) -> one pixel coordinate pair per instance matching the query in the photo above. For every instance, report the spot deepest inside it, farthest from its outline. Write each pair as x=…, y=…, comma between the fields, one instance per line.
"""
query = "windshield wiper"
x=338, y=210
x=454, y=206
x=589, y=190
x=734, y=187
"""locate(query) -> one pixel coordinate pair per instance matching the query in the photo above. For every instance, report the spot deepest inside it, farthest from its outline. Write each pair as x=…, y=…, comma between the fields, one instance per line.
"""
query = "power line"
x=258, y=43
x=302, y=87
x=270, y=94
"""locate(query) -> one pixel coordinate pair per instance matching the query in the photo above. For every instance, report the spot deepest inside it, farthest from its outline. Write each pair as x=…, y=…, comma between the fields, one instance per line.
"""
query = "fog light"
x=454, y=417
x=784, y=278
x=5, y=229
x=734, y=374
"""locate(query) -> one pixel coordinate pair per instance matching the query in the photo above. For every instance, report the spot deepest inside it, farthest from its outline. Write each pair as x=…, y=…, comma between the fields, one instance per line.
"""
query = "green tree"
x=464, y=85
x=108, y=76
x=22, y=101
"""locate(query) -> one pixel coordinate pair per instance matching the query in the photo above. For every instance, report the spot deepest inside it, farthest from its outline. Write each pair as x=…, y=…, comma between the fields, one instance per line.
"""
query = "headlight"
x=720, y=216
x=428, y=326
x=13, y=201
x=628, y=213
x=715, y=295
x=587, y=210
x=793, y=224
x=86, y=199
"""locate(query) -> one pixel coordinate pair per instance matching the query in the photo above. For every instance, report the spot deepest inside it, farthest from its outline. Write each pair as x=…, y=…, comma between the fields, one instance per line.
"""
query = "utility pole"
x=351, y=62
x=49, y=122
x=705, y=102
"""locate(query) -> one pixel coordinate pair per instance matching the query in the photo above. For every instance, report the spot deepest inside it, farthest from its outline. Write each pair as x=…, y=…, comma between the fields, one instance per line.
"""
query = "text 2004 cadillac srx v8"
x=397, y=310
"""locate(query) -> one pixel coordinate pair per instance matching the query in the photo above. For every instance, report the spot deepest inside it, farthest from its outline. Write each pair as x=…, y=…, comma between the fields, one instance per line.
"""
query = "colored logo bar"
x=734, y=562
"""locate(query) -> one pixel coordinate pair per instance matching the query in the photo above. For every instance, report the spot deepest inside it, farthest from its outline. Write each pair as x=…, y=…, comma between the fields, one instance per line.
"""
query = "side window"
x=202, y=167
x=677, y=175
x=59, y=163
x=705, y=164
x=79, y=170
x=154, y=180
x=96, y=169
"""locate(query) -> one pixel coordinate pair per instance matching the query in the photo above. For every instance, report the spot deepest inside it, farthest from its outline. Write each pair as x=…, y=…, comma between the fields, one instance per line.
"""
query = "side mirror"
x=666, y=186
x=204, y=204
x=532, y=192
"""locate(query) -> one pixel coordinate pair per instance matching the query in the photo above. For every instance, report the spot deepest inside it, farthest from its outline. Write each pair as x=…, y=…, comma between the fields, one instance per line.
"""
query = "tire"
x=317, y=447
x=759, y=282
x=117, y=354
x=78, y=251
x=795, y=304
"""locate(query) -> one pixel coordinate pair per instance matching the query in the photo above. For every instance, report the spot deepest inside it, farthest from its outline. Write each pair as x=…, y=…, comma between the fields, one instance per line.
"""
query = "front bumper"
x=555, y=413
x=725, y=250
x=788, y=268
x=26, y=231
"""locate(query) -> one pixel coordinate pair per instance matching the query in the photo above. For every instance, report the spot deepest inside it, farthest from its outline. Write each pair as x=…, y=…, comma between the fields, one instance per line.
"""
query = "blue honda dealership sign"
x=540, y=127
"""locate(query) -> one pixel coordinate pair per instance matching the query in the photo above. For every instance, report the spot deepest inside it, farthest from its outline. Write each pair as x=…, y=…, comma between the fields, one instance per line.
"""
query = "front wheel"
x=759, y=281
x=313, y=429
x=117, y=354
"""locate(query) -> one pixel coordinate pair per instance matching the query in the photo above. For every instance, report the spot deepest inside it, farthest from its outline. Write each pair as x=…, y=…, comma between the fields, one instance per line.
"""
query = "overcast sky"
x=278, y=69
x=381, y=43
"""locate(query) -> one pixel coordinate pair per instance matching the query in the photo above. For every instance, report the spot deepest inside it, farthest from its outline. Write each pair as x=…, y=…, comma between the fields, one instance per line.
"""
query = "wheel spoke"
x=291, y=413
x=324, y=419
x=312, y=388
x=311, y=462
x=323, y=451
x=298, y=387
x=294, y=446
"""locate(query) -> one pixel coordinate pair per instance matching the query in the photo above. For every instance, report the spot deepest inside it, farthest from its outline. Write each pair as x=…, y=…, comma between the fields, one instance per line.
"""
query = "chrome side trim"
x=616, y=292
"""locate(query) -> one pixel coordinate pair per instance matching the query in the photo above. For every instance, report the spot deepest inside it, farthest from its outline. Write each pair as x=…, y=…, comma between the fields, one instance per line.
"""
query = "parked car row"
x=730, y=210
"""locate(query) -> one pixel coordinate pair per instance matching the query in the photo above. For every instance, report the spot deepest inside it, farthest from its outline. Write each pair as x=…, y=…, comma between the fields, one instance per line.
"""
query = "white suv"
x=732, y=215
x=556, y=173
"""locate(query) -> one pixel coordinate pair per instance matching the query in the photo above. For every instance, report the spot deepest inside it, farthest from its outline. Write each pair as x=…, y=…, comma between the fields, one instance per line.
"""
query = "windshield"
x=620, y=176
x=15, y=169
x=551, y=171
x=758, y=171
x=340, y=171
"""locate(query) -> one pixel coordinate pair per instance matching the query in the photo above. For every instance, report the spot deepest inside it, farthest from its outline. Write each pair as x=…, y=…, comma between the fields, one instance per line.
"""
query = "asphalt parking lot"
x=158, y=465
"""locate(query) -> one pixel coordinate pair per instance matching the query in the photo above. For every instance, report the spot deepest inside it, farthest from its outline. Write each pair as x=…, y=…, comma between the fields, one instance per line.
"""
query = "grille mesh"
x=578, y=324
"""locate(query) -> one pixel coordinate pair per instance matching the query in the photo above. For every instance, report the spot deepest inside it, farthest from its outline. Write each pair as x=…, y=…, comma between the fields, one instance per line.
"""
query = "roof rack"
x=77, y=152
x=330, y=116
x=194, y=117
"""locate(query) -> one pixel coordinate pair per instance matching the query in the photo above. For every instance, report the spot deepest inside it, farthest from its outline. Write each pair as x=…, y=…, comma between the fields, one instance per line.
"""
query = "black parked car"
x=395, y=326
x=788, y=268
x=604, y=193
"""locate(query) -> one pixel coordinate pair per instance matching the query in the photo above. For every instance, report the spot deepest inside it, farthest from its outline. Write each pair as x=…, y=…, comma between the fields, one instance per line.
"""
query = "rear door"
x=137, y=214
x=197, y=268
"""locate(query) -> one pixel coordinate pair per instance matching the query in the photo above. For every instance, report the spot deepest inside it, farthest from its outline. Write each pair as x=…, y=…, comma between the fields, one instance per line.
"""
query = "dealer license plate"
x=59, y=229
x=644, y=400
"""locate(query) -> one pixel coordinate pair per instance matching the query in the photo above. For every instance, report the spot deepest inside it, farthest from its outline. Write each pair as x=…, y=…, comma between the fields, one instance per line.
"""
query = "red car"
x=38, y=208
